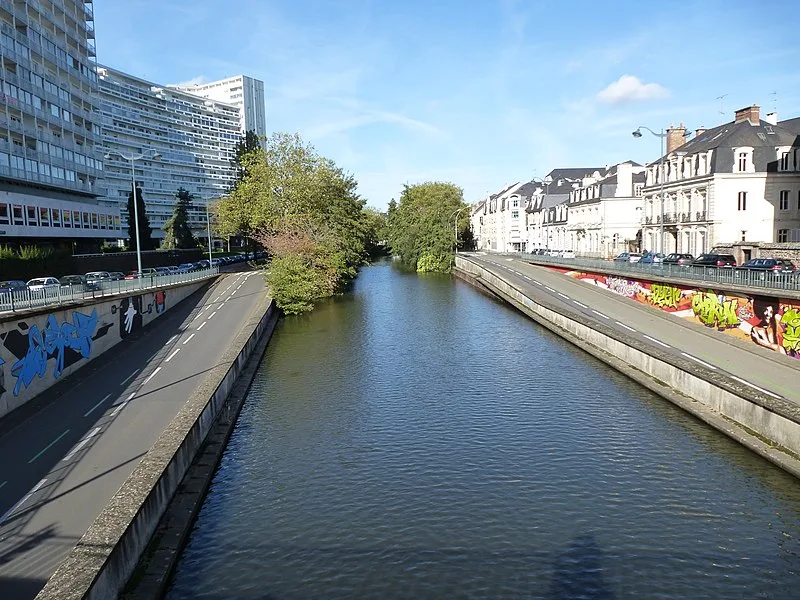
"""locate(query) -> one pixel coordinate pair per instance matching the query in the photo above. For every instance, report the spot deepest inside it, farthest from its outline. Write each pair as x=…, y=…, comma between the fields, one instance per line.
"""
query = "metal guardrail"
x=739, y=276
x=55, y=296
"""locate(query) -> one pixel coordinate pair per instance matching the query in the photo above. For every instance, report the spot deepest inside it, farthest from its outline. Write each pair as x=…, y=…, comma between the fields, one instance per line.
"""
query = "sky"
x=479, y=93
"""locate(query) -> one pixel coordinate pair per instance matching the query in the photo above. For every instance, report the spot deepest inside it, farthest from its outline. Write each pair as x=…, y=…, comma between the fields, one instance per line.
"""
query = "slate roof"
x=735, y=135
x=791, y=125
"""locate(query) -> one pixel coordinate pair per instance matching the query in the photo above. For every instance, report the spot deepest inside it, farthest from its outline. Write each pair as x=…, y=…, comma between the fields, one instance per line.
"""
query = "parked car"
x=96, y=278
x=186, y=267
x=173, y=270
x=149, y=272
x=629, y=257
x=132, y=275
x=73, y=282
x=12, y=285
x=712, y=259
x=652, y=258
x=162, y=271
x=116, y=275
x=43, y=284
x=678, y=258
x=780, y=266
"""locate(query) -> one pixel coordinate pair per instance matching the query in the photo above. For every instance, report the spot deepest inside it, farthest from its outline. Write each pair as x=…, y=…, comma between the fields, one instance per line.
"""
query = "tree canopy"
x=305, y=211
x=177, y=231
x=422, y=227
x=145, y=232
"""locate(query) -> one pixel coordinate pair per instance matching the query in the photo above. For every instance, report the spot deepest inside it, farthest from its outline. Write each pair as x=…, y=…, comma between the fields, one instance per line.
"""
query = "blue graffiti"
x=54, y=341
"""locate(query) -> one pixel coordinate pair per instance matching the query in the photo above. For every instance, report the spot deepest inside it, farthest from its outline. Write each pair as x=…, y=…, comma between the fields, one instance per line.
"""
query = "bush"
x=435, y=263
x=294, y=284
x=110, y=249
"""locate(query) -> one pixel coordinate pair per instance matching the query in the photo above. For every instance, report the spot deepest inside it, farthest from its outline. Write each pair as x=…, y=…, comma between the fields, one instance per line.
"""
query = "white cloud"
x=629, y=88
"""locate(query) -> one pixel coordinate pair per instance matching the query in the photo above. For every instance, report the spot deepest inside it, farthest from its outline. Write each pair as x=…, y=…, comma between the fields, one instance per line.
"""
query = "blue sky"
x=477, y=92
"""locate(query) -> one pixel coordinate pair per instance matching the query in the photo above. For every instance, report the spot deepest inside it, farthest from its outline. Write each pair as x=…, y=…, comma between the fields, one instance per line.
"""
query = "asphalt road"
x=64, y=459
x=759, y=368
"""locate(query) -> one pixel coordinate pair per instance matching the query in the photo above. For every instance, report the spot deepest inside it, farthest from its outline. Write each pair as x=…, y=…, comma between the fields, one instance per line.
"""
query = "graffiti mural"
x=768, y=322
x=64, y=343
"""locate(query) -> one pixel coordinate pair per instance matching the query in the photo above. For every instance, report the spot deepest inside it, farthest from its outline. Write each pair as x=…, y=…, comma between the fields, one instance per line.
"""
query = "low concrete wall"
x=103, y=560
x=40, y=348
x=769, y=426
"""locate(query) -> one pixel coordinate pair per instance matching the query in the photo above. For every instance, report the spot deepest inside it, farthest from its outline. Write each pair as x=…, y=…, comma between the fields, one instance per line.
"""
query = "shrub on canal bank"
x=305, y=211
x=422, y=226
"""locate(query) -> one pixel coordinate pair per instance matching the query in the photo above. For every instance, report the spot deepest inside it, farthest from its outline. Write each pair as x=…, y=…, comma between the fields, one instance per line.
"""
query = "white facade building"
x=739, y=182
x=246, y=93
x=50, y=168
x=195, y=137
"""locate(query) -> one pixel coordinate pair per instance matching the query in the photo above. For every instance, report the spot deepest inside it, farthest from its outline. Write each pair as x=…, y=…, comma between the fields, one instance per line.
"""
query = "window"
x=67, y=217
x=742, y=162
x=742, y=201
x=637, y=189
x=783, y=235
x=515, y=203
x=76, y=219
x=56, y=217
x=784, y=200
x=16, y=211
x=515, y=214
x=5, y=216
x=32, y=217
x=44, y=216
x=784, y=161
x=744, y=235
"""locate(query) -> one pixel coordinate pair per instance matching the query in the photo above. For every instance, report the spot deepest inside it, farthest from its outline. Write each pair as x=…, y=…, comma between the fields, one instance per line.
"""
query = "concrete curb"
x=769, y=427
x=103, y=560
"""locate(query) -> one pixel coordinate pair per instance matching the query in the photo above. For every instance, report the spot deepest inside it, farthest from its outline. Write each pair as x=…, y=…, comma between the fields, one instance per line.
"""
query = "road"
x=758, y=368
x=63, y=461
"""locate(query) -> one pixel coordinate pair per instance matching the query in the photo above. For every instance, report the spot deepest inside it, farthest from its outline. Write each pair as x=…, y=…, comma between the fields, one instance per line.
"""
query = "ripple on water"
x=418, y=440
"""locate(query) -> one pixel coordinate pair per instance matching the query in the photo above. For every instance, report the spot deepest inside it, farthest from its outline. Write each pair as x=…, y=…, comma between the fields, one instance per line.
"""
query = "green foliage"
x=422, y=226
x=7, y=253
x=34, y=253
x=110, y=249
x=178, y=234
x=375, y=230
x=145, y=232
x=303, y=209
x=33, y=261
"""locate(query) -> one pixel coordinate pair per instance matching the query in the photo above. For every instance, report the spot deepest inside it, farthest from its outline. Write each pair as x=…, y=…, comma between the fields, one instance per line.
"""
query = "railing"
x=739, y=276
x=58, y=295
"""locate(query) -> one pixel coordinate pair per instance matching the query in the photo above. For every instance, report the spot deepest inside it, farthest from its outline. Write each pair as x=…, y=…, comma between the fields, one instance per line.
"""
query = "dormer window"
x=784, y=161
x=742, y=164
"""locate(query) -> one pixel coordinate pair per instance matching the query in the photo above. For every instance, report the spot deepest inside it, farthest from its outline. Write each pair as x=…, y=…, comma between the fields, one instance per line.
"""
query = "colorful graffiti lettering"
x=53, y=341
x=715, y=311
x=664, y=295
x=622, y=286
x=790, y=321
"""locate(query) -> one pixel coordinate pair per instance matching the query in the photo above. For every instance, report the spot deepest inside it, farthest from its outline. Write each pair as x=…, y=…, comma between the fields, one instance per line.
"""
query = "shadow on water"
x=578, y=572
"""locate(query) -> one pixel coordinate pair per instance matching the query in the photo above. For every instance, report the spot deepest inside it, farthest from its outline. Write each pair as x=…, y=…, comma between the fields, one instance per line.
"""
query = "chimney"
x=699, y=131
x=749, y=113
x=772, y=118
x=676, y=137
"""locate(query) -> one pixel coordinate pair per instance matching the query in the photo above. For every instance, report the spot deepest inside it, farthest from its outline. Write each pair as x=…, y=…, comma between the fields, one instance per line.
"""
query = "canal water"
x=416, y=439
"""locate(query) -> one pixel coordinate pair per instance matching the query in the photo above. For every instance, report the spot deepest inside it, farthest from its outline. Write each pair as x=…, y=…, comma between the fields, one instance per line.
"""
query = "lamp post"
x=132, y=158
x=662, y=135
x=208, y=224
x=455, y=226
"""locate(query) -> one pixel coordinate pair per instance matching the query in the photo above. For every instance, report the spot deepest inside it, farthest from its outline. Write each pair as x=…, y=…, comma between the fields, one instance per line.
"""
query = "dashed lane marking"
x=203, y=324
x=81, y=444
x=549, y=289
x=35, y=489
x=526, y=277
x=189, y=339
x=599, y=314
x=171, y=356
x=755, y=387
x=580, y=304
x=91, y=410
x=652, y=339
x=697, y=360
x=129, y=377
x=50, y=445
x=211, y=316
x=628, y=327
x=153, y=374
x=563, y=295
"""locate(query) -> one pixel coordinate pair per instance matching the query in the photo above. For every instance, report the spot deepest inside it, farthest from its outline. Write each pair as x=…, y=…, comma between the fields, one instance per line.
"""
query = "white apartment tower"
x=194, y=136
x=50, y=168
x=246, y=93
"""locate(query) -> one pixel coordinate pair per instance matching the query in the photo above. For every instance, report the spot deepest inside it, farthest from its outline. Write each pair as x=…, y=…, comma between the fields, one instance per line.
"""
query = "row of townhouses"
x=69, y=127
x=734, y=187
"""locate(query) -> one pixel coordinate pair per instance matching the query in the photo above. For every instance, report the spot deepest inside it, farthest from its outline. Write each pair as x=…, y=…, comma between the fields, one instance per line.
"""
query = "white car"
x=43, y=284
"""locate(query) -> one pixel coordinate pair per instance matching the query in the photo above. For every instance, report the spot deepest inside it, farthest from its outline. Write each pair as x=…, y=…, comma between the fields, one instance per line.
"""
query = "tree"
x=145, y=232
x=375, y=231
x=305, y=211
x=178, y=234
x=422, y=225
x=249, y=143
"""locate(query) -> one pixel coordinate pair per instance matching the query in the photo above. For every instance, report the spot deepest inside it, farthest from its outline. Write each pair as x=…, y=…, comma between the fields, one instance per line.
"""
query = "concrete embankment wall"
x=106, y=556
x=768, y=426
x=39, y=348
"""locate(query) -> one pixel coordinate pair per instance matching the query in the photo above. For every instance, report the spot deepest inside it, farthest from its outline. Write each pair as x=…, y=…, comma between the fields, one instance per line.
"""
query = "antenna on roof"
x=774, y=101
x=720, y=98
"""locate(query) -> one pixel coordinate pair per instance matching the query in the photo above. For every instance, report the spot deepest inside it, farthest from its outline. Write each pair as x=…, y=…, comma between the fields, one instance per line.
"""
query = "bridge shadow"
x=578, y=572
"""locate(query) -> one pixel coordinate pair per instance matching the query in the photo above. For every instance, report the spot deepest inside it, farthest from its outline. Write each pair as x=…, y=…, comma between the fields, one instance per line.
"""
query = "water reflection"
x=578, y=572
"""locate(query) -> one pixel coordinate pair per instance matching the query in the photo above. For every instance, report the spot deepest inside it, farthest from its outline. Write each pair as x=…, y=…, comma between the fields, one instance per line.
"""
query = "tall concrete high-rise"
x=246, y=93
x=194, y=136
x=50, y=168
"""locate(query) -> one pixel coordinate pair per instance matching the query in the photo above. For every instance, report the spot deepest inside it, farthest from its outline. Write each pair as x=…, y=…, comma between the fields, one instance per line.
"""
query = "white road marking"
x=129, y=398
x=129, y=377
x=652, y=339
x=625, y=326
x=580, y=304
x=229, y=297
x=697, y=360
x=203, y=324
x=81, y=444
x=536, y=282
x=91, y=410
x=768, y=393
x=170, y=340
x=549, y=289
x=211, y=316
x=187, y=340
x=528, y=278
x=563, y=295
x=599, y=314
x=171, y=356
x=35, y=489
x=153, y=374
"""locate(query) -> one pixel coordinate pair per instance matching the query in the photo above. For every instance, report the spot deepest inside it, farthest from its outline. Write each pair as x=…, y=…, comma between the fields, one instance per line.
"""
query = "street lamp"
x=662, y=134
x=208, y=224
x=132, y=158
